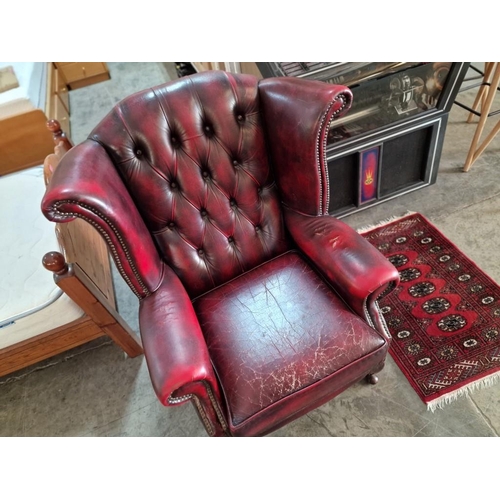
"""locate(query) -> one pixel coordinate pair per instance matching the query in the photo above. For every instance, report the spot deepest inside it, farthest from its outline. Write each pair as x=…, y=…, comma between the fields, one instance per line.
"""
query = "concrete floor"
x=96, y=391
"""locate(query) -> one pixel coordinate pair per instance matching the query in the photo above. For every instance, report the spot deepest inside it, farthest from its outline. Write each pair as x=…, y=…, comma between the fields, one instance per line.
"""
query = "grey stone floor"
x=96, y=391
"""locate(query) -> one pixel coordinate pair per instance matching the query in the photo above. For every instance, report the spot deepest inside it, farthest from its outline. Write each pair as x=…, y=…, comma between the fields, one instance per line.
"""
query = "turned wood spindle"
x=60, y=138
x=62, y=146
x=55, y=262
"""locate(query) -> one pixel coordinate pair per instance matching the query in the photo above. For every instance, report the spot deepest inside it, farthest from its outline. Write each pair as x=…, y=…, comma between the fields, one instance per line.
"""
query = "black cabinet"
x=390, y=141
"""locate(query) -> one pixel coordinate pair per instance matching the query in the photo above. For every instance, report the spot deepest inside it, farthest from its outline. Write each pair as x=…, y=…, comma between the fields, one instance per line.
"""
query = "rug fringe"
x=442, y=401
x=394, y=218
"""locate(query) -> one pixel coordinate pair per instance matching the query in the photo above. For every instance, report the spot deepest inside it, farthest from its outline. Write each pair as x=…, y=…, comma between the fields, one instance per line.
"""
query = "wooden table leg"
x=482, y=93
x=473, y=151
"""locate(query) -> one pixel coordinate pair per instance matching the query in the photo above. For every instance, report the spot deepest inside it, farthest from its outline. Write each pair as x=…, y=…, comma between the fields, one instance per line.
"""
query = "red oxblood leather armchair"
x=212, y=193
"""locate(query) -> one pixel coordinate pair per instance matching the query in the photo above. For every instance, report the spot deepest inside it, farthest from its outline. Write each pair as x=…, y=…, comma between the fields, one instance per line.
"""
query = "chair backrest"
x=193, y=156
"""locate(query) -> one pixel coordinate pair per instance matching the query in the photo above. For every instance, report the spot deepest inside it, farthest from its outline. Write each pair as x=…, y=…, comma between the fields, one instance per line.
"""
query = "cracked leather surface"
x=277, y=330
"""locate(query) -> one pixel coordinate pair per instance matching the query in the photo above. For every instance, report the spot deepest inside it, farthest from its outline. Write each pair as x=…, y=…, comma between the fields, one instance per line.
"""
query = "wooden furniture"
x=483, y=102
x=84, y=274
x=58, y=99
x=24, y=138
x=28, y=127
x=80, y=74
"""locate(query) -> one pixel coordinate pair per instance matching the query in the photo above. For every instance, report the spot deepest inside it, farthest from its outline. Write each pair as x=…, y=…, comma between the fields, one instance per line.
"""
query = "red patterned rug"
x=444, y=316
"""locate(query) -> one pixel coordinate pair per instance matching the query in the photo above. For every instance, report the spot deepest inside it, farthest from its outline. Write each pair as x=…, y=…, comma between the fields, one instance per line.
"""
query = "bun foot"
x=372, y=378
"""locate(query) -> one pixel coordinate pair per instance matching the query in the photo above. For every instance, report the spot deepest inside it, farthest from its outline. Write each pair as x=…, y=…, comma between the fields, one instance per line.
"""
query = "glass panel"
x=387, y=98
x=354, y=73
x=345, y=73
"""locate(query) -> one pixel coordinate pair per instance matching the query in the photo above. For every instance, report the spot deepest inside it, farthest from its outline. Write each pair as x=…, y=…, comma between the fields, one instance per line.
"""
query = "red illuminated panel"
x=368, y=174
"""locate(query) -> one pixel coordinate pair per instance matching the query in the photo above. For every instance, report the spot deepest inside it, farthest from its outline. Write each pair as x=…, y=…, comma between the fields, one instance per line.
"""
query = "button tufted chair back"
x=193, y=157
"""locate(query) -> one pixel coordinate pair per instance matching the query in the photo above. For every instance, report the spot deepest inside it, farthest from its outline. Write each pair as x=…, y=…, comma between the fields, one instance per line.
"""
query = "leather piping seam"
x=173, y=400
x=201, y=411
x=325, y=140
x=319, y=143
x=216, y=406
x=199, y=407
x=109, y=241
x=382, y=321
x=389, y=287
x=367, y=315
x=206, y=422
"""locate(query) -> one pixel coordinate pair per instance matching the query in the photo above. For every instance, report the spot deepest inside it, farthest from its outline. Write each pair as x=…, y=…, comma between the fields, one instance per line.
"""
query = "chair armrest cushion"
x=174, y=346
x=358, y=272
x=87, y=185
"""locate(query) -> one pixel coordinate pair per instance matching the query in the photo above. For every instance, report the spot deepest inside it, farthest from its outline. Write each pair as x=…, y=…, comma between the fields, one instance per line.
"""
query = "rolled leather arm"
x=86, y=184
x=358, y=272
x=176, y=353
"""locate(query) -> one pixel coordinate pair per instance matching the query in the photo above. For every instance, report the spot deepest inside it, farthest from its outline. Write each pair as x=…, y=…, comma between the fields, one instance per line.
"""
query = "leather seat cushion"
x=282, y=342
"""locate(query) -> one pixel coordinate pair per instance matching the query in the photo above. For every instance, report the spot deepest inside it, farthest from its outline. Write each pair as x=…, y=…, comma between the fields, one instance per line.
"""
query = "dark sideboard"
x=390, y=142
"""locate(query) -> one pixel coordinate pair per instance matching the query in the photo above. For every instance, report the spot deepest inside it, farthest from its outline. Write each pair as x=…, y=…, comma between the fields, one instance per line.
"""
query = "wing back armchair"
x=212, y=193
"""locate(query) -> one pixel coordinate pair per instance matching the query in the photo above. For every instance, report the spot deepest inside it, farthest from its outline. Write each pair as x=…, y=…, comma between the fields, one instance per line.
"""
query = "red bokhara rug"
x=444, y=316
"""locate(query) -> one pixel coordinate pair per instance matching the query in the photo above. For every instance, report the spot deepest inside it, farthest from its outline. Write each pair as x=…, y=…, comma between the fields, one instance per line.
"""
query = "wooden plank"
x=8, y=79
x=51, y=86
x=73, y=281
x=48, y=344
x=83, y=244
x=61, y=115
x=474, y=151
x=250, y=68
x=89, y=81
x=24, y=141
x=202, y=66
x=76, y=71
x=61, y=89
